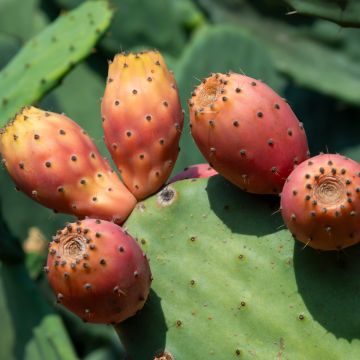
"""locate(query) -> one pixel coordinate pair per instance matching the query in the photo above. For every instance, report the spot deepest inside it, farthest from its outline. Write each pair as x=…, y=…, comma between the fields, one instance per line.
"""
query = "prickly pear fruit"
x=98, y=271
x=194, y=172
x=246, y=131
x=320, y=202
x=51, y=159
x=142, y=120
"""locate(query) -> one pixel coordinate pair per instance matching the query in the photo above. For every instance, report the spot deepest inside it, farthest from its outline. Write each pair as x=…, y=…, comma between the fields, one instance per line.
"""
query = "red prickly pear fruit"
x=142, y=120
x=320, y=202
x=246, y=132
x=98, y=271
x=194, y=172
x=52, y=160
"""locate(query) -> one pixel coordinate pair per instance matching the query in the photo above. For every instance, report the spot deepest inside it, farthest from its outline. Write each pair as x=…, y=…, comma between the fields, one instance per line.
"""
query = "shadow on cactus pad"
x=232, y=203
x=151, y=322
x=329, y=285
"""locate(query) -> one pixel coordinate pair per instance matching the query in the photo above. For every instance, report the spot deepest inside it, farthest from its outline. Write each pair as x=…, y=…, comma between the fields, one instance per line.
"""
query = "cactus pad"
x=50, y=55
x=230, y=282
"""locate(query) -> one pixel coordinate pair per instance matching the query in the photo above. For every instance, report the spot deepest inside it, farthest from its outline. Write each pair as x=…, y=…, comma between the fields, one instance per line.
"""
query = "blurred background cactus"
x=53, y=53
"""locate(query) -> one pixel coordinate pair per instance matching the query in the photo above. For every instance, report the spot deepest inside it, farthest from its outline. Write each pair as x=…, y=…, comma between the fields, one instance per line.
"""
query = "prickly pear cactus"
x=50, y=55
x=230, y=282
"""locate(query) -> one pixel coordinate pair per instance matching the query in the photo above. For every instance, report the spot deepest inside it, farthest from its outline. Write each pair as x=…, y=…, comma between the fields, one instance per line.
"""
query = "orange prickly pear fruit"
x=246, y=132
x=98, y=271
x=51, y=159
x=142, y=120
x=320, y=202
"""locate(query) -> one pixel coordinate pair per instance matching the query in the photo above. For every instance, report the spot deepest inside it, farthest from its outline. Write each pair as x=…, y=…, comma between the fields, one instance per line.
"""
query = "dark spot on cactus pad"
x=178, y=323
x=238, y=90
x=277, y=106
x=121, y=249
x=301, y=317
x=166, y=196
x=117, y=102
x=73, y=158
x=148, y=117
x=236, y=123
x=134, y=91
x=36, y=137
x=260, y=114
x=62, y=132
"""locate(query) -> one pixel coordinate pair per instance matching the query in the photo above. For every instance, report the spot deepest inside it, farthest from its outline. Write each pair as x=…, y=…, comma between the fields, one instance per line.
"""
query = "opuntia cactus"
x=246, y=131
x=142, y=120
x=194, y=172
x=52, y=160
x=98, y=271
x=320, y=202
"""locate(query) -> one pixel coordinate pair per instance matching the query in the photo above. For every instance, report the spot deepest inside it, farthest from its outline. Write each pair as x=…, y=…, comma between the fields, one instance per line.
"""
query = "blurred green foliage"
x=343, y=12
x=312, y=62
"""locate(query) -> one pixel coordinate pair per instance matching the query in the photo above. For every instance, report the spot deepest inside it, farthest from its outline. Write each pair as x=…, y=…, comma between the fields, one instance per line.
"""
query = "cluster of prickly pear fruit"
x=96, y=270
x=250, y=135
x=246, y=131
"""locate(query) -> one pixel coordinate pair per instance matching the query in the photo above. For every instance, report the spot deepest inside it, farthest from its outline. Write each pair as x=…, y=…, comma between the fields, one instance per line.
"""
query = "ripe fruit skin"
x=142, y=120
x=98, y=271
x=52, y=160
x=246, y=132
x=194, y=172
x=320, y=202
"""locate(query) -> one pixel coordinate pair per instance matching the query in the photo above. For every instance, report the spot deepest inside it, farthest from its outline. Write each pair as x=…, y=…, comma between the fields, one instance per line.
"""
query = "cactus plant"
x=48, y=56
x=230, y=283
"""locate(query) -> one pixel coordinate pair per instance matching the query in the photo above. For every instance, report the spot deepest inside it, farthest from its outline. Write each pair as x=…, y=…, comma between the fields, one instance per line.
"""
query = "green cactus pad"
x=231, y=283
x=343, y=12
x=48, y=56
